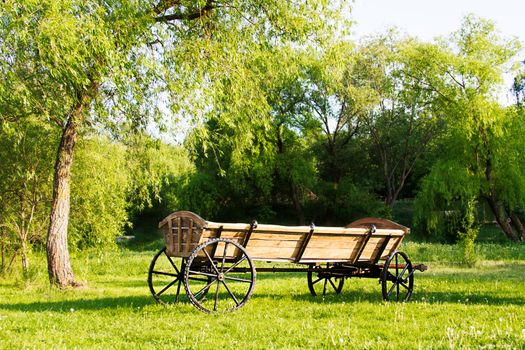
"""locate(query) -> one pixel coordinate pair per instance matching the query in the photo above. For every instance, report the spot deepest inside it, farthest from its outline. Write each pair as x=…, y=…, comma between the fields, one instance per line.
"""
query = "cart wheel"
x=230, y=271
x=323, y=282
x=165, y=278
x=397, y=277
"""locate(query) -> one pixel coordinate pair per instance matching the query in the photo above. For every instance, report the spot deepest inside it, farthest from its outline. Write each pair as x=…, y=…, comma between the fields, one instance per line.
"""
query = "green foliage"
x=26, y=174
x=99, y=207
x=474, y=159
x=114, y=182
x=153, y=166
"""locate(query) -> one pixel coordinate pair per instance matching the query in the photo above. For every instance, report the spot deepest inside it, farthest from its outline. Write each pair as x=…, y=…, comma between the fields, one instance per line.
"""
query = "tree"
x=26, y=175
x=477, y=159
x=64, y=58
x=403, y=122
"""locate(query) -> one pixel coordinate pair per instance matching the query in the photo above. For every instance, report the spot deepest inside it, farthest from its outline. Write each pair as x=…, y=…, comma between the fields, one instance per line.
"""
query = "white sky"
x=428, y=19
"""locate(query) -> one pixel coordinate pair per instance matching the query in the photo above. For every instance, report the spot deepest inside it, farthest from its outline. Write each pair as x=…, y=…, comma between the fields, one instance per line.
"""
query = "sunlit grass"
x=452, y=307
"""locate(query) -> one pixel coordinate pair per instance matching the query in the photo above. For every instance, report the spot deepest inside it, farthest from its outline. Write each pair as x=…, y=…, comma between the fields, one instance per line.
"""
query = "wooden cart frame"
x=217, y=266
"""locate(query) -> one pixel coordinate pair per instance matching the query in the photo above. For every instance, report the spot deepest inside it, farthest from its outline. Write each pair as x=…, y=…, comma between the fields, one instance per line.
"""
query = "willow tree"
x=73, y=63
x=478, y=158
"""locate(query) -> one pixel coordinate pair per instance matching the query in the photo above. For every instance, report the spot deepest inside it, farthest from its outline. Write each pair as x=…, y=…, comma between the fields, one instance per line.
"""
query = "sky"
x=428, y=19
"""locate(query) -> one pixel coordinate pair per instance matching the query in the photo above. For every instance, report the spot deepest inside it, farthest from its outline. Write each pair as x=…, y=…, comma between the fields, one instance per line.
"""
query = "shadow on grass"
x=346, y=297
x=435, y=297
x=81, y=304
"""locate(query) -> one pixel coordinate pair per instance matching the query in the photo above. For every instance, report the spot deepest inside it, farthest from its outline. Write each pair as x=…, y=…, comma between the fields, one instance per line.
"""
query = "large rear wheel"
x=224, y=268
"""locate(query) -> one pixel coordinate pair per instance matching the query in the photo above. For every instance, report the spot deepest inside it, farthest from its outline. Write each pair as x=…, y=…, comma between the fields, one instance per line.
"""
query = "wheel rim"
x=397, y=278
x=165, y=278
x=322, y=282
x=223, y=268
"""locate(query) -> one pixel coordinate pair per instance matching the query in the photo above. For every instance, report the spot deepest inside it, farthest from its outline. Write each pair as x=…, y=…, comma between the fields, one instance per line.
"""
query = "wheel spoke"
x=165, y=273
x=237, y=279
x=167, y=287
x=178, y=291
x=229, y=291
x=235, y=265
x=324, y=287
x=332, y=283
x=211, y=261
x=171, y=262
x=391, y=289
x=397, y=276
x=317, y=280
x=404, y=285
x=402, y=272
x=224, y=256
x=204, y=289
x=203, y=273
x=216, y=296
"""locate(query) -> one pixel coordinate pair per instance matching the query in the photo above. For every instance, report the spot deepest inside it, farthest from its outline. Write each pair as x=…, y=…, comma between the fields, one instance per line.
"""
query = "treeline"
x=347, y=130
x=286, y=126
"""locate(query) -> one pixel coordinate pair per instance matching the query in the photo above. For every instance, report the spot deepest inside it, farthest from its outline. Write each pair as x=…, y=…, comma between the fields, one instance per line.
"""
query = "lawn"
x=452, y=307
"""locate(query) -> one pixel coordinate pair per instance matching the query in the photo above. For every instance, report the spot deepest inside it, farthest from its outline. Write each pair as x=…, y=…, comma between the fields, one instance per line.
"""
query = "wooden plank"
x=169, y=238
x=264, y=253
x=179, y=235
x=379, y=251
x=259, y=243
x=301, y=229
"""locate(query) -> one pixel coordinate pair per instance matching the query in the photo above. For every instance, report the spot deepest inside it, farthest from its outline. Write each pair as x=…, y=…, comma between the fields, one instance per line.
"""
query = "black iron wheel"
x=165, y=278
x=322, y=280
x=230, y=271
x=397, y=278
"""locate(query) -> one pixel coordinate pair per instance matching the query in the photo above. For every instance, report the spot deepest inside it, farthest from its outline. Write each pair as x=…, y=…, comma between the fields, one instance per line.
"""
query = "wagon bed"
x=214, y=253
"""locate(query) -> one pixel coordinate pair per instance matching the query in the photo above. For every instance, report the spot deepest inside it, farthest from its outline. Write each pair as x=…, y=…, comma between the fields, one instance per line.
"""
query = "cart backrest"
x=182, y=232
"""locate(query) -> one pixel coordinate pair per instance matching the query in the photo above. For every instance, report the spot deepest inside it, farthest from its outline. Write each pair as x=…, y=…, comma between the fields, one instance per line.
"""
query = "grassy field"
x=452, y=307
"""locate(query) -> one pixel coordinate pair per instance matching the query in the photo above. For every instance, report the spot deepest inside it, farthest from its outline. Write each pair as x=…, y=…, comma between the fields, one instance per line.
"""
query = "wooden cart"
x=217, y=267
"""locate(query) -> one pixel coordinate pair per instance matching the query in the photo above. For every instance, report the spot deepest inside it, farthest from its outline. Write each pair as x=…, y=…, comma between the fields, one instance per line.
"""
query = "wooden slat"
x=169, y=239
x=179, y=234
x=188, y=236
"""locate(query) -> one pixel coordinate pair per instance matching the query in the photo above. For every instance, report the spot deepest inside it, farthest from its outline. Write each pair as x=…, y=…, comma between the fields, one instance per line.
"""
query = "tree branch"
x=187, y=16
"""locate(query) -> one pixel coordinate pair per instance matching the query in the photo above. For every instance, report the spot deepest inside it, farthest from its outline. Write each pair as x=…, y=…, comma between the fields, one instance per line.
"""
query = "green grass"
x=452, y=307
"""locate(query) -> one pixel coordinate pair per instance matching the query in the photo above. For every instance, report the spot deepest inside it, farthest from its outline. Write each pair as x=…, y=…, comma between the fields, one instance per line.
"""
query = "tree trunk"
x=3, y=256
x=58, y=261
x=501, y=218
x=297, y=204
x=516, y=222
x=25, y=259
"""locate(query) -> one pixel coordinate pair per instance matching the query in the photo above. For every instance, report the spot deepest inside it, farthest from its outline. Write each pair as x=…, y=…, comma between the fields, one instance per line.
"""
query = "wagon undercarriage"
x=217, y=271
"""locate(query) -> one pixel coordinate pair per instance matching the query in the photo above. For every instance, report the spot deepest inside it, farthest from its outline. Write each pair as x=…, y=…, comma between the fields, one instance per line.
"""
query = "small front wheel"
x=322, y=281
x=229, y=274
x=397, y=278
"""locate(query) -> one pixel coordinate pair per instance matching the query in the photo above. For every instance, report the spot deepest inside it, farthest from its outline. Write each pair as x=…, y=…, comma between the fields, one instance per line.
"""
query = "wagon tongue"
x=421, y=267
